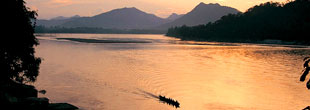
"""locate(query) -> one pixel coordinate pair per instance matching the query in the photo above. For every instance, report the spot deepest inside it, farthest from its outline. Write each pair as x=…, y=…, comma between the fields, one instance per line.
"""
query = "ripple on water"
x=110, y=76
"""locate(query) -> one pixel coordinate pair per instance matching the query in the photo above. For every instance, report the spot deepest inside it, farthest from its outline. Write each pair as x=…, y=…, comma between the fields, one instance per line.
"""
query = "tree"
x=17, y=60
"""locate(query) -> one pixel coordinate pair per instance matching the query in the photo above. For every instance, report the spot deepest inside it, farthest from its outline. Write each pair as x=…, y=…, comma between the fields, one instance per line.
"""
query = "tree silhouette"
x=17, y=60
x=268, y=21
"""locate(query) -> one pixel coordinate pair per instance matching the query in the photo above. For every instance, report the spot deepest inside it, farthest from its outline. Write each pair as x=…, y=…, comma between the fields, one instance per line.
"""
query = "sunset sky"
x=162, y=8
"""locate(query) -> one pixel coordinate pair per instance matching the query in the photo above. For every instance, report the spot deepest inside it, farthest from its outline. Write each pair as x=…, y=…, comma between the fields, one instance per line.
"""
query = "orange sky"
x=162, y=8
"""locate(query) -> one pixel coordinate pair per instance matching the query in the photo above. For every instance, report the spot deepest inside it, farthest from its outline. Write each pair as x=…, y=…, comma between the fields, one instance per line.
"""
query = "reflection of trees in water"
x=305, y=72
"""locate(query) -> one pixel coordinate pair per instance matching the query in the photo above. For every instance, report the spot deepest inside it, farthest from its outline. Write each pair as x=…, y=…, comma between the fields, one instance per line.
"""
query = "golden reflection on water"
x=200, y=77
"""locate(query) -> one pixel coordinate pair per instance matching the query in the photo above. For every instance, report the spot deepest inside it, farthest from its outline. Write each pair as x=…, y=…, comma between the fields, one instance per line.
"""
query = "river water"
x=201, y=76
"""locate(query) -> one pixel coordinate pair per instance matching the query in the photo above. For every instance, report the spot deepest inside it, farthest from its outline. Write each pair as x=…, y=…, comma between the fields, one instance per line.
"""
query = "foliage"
x=288, y=22
x=17, y=60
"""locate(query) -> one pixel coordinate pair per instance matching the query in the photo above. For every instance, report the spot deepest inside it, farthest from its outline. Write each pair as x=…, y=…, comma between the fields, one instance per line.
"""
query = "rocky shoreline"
x=15, y=96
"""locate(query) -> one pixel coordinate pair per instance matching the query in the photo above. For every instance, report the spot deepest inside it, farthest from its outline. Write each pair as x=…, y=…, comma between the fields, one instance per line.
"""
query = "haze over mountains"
x=174, y=16
x=133, y=18
x=124, y=18
x=56, y=21
x=63, y=18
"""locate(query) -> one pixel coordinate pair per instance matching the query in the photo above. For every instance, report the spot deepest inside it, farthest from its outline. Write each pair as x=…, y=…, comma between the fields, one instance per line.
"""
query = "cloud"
x=62, y=1
x=58, y=3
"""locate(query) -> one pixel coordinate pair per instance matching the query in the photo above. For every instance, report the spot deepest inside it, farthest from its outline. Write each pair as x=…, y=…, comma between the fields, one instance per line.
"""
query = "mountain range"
x=174, y=16
x=124, y=18
x=133, y=18
x=201, y=14
x=57, y=21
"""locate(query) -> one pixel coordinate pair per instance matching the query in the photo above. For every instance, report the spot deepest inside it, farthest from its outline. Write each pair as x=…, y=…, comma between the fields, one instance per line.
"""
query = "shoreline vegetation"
x=95, y=30
x=271, y=43
x=271, y=23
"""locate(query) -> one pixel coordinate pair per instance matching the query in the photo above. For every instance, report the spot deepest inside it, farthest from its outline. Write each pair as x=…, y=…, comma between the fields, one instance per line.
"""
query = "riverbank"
x=271, y=43
x=15, y=96
x=96, y=30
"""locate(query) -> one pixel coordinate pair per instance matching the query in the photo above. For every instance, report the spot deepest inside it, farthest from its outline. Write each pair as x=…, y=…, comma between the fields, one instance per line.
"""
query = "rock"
x=19, y=90
x=40, y=101
x=42, y=91
x=29, y=91
x=8, y=99
x=16, y=96
x=34, y=103
x=61, y=106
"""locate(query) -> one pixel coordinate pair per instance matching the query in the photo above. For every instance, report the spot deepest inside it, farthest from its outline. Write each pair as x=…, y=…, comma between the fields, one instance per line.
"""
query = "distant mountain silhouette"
x=56, y=21
x=174, y=16
x=133, y=18
x=63, y=18
x=124, y=18
x=201, y=14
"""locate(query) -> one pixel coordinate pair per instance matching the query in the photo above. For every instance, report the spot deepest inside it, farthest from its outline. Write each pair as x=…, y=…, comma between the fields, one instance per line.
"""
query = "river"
x=199, y=75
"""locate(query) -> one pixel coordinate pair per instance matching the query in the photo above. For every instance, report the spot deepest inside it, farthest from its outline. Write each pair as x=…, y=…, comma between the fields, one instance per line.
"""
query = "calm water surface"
x=123, y=76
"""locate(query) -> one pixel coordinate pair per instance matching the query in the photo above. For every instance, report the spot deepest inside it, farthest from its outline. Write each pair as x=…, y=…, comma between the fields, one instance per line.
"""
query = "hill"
x=55, y=21
x=201, y=14
x=124, y=18
x=174, y=16
x=270, y=21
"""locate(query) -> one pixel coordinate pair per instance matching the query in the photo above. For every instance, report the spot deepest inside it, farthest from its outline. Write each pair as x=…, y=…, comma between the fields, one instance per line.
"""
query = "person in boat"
x=169, y=101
